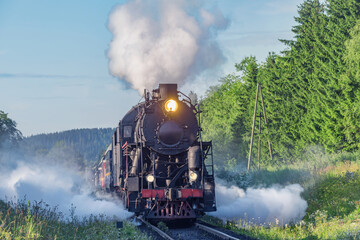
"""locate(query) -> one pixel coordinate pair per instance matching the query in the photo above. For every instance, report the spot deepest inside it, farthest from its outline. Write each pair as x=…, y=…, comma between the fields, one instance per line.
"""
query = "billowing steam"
x=158, y=41
x=57, y=186
x=275, y=205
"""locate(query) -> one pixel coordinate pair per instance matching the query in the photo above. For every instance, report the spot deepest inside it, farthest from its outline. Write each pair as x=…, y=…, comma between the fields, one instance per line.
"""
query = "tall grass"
x=22, y=220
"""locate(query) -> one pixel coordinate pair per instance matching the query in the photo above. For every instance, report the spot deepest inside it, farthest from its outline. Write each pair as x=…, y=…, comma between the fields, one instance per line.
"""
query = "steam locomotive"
x=157, y=162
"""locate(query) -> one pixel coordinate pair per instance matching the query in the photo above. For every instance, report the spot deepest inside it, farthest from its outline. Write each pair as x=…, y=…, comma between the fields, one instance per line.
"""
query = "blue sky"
x=54, y=72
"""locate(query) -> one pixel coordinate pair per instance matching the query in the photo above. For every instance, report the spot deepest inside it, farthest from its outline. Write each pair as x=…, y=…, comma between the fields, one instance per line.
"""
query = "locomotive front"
x=160, y=167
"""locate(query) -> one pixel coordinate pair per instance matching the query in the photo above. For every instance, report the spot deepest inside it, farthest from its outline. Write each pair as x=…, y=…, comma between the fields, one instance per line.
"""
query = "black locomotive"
x=157, y=162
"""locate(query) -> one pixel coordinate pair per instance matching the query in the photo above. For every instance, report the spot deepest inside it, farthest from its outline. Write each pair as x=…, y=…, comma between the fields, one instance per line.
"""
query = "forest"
x=77, y=147
x=87, y=144
x=310, y=89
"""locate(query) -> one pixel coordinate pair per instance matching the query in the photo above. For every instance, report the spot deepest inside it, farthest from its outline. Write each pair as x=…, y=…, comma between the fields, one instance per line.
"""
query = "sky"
x=54, y=72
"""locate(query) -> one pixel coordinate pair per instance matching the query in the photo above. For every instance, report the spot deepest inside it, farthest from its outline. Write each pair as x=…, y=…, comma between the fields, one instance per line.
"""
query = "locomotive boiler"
x=157, y=162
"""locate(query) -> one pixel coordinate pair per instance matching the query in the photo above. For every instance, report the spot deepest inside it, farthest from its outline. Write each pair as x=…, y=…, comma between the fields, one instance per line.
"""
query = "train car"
x=159, y=165
x=102, y=171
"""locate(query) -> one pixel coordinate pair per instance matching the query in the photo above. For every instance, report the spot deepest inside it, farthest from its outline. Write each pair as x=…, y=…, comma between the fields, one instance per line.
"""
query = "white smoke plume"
x=161, y=41
x=275, y=205
x=57, y=186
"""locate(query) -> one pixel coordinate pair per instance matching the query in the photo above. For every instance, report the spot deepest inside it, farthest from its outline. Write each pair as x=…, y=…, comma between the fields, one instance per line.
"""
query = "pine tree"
x=342, y=16
x=350, y=85
x=9, y=134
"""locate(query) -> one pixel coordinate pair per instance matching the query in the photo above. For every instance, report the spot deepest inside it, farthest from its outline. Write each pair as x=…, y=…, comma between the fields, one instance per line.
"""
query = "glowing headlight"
x=171, y=105
x=193, y=176
x=150, y=178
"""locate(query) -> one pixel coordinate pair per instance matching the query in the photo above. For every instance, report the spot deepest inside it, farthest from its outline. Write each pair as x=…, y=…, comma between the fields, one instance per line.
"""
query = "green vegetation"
x=312, y=99
x=39, y=221
x=162, y=226
x=9, y=135
x=311, y=91
x=336, y=192
x=84, y=145
x=130, y=232
x=332, y=191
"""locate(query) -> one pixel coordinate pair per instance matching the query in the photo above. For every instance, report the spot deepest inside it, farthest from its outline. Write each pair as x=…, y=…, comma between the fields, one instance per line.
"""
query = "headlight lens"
x=193, y=176
x=150, y=178
x=171, y=105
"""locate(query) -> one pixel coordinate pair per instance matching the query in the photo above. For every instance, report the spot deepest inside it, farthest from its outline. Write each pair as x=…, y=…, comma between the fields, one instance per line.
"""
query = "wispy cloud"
x=239, y=34
x=52, y=76
x=257, y=38
x=50, y=98
x=17, y=75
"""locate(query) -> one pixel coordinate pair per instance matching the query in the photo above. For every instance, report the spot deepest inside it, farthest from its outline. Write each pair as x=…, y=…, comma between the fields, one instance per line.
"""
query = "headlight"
x=193, y=176
x=171, y=105
x=150, y=178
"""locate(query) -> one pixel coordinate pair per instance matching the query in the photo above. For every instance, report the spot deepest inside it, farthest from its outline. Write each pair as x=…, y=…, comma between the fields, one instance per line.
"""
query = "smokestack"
x=168, y=91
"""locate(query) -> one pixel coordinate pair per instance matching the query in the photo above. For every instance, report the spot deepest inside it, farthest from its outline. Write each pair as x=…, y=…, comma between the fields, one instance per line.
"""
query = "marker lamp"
x=171, y=105
x=150, y=178
x=193, y=176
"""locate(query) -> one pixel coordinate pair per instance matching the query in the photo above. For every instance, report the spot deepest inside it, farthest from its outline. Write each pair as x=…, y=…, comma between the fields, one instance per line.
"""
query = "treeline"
x=83, y=145
x=311, y=90
x=77, y=148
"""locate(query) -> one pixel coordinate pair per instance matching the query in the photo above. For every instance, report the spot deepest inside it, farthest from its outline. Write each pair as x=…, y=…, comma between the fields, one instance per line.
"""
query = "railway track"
x=196, y=231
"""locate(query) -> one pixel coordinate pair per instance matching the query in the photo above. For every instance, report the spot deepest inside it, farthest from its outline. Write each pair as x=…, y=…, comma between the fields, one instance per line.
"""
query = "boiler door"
x=170, y=133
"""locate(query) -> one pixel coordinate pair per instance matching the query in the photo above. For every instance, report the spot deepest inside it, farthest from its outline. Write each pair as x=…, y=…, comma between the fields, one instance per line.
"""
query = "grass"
x=332, y=191
x=337, y=192
x=163, y=227
x=22, y=220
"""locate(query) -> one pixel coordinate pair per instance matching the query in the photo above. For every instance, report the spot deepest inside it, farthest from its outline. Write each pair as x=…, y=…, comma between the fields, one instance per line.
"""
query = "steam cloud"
x=58, y=186
x=163, y=41
x=273, y=205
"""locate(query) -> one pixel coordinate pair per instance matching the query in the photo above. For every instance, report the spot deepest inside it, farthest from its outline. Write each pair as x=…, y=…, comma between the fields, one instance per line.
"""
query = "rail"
x=215, y=232
x=157, y=230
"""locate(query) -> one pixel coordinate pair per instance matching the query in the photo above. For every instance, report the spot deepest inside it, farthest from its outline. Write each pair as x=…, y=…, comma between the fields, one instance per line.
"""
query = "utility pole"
x=253, y=127
x=258, y=89
x=259, y=148
x=267, y=131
